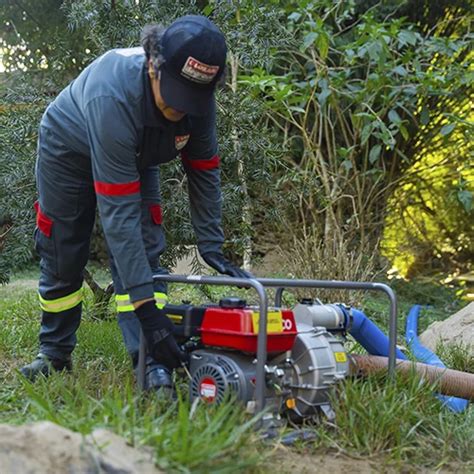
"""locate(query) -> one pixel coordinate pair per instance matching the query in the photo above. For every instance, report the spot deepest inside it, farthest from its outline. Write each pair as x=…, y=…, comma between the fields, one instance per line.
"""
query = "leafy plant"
x=350, y=97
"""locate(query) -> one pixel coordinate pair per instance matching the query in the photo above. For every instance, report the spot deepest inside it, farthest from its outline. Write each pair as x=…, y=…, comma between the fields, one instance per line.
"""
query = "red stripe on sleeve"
x=116, y=189
x=201, y=164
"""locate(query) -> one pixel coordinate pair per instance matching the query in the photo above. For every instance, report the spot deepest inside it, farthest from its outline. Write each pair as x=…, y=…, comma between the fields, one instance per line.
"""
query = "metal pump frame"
x=259, y=285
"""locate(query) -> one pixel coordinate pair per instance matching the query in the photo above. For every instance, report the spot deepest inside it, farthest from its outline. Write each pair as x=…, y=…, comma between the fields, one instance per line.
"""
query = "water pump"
x=305, y=361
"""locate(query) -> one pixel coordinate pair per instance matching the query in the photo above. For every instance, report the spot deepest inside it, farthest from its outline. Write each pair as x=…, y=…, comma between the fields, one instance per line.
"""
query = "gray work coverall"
x=101, y=141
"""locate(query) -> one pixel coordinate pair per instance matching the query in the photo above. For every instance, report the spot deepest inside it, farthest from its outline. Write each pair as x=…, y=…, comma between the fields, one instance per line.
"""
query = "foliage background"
x=345, y=127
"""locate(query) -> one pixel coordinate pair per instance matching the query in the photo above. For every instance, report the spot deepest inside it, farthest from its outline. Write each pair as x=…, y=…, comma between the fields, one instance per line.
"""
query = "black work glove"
x=217, y=261
x=158, y=331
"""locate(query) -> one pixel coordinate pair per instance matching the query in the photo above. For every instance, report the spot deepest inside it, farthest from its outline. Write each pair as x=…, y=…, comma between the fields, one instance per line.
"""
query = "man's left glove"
x=217, y=261
x=158, y=331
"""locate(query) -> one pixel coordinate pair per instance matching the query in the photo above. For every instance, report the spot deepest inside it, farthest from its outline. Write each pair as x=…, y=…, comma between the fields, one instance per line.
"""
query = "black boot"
x=158, y=376
x=44, y=365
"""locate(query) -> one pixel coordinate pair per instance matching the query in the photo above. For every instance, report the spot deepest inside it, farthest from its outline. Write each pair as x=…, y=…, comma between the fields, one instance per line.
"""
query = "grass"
x=101, y=393
x=209, y=441
x=399, y=424
x=402, y=420
x=457, y=356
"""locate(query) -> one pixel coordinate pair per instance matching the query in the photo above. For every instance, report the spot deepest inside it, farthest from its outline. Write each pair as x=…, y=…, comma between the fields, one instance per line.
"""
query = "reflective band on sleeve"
x=61, y=304
x=116, y=189
x=201, y=164
x=161, y=299
x=124, y=304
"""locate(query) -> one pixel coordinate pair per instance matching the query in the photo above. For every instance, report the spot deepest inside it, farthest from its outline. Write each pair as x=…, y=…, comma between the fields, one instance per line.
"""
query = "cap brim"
x=185, y=97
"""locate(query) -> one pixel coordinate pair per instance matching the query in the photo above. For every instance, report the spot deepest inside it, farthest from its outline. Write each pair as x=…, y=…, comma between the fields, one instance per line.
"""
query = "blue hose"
x=425, y=355
x=369, y=335
x=375, y=342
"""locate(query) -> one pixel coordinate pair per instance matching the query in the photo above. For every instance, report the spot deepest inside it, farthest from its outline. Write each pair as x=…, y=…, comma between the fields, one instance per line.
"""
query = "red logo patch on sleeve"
x=197, y=71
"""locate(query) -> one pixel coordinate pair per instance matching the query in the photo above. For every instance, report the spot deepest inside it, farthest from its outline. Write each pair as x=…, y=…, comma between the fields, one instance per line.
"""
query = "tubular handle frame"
x=280, y=284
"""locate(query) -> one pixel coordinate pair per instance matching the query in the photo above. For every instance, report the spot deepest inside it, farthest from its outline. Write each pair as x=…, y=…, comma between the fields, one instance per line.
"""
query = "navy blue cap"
x=194, y=52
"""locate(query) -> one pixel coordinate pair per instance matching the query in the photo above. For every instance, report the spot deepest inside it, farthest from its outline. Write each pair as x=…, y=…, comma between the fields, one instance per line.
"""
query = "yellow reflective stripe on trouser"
x=61, y=304
x=123, y=302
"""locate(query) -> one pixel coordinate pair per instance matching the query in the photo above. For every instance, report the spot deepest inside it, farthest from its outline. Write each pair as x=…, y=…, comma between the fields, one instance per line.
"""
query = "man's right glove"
x=217, y=261
x=158, y=331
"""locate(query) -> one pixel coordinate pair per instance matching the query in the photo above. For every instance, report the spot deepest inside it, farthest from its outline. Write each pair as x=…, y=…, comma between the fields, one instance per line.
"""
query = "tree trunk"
x=246, y=210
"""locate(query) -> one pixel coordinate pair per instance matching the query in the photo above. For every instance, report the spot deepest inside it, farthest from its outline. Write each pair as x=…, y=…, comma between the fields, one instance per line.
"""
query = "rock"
x=457, y=329
x=117, y=457
x=46, y=448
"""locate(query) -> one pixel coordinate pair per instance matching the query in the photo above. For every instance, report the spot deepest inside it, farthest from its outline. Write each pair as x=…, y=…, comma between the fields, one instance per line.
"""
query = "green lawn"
x=400, y=425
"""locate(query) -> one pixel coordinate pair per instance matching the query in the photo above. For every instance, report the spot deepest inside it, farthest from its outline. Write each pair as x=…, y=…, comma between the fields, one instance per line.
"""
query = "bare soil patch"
x=291, y=461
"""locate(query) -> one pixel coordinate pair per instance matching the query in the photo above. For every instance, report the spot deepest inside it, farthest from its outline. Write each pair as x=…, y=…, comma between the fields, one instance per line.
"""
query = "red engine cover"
x=237, y=328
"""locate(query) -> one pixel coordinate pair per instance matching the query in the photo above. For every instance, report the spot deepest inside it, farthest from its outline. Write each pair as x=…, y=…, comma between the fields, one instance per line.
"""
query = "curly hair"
x=150, y=39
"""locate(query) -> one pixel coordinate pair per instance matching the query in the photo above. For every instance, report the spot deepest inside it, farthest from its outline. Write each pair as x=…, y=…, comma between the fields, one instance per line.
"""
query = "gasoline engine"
x=305, y=345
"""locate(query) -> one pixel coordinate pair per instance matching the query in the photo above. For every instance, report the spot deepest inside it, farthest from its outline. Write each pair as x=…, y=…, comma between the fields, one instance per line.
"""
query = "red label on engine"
x=208, y=389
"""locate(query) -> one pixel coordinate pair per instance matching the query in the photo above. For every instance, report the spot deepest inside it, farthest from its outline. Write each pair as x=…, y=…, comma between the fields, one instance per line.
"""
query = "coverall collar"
x=153, y=116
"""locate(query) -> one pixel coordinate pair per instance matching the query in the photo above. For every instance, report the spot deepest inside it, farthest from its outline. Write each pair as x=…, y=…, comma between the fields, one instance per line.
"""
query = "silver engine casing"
x=229, y=371
x=318, y=361
x=306, y=375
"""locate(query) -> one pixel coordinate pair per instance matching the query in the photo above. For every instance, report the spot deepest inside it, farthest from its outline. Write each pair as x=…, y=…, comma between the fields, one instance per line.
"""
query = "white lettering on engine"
x=208, y=390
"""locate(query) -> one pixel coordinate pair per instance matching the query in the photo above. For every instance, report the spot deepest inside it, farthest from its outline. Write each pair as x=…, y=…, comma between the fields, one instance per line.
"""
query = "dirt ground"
x=290, y=461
